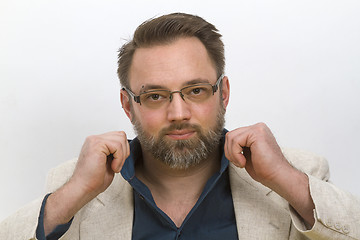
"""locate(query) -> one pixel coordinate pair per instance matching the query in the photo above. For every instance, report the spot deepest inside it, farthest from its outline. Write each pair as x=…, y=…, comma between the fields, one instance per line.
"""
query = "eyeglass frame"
x=136, y=98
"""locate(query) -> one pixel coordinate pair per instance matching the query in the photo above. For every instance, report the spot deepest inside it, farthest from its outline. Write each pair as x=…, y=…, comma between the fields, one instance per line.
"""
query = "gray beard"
x=182, y=154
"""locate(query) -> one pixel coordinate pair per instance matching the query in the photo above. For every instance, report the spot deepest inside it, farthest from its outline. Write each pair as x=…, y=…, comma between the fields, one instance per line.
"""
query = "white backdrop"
x=294, y=65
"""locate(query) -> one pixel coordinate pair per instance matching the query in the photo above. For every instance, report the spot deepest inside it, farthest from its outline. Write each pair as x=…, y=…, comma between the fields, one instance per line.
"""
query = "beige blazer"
x=260, y=212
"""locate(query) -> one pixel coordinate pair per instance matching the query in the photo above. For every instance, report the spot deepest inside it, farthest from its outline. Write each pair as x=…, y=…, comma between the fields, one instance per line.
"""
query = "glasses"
x=159, y=97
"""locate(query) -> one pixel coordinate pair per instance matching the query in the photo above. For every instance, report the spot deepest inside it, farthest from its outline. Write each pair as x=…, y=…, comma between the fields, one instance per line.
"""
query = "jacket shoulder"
x=308, y=162
x=59, y=175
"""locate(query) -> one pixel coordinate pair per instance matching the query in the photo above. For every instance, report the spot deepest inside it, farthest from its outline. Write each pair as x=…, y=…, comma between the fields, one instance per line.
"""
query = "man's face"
x=180, y=133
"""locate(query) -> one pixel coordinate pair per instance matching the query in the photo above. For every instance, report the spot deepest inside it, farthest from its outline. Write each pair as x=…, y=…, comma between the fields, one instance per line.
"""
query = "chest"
x=177, y=210
x=210, y=217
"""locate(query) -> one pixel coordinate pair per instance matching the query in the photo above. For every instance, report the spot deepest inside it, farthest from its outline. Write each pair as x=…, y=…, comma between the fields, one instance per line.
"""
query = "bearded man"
x=185, y=176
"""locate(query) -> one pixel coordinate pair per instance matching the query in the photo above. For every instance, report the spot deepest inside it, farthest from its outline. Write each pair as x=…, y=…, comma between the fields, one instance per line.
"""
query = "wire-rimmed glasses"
x=157, y=98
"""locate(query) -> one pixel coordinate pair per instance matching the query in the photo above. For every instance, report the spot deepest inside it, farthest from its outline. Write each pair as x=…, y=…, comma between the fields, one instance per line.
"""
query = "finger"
x=233, y=148
x=237, y=153
x=249, y=164
x=227, y=147
x=125, y=150
x=120, y=154
x=127, y=153
x=111, y=148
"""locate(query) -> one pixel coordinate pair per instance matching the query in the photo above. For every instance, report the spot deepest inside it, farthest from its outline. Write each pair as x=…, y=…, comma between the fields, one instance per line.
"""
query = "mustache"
x=180, y=126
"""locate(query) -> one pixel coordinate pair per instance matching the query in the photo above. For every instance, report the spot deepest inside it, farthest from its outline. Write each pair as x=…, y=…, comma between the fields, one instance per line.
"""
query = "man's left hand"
x=255, y=149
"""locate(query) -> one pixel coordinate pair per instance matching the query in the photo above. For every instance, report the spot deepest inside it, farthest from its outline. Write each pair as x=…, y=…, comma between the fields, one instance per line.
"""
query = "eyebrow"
x=149, y=87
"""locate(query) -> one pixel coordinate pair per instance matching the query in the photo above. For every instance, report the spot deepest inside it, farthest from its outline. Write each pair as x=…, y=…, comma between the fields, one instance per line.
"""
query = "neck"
x=175, y=191
x=173, y=184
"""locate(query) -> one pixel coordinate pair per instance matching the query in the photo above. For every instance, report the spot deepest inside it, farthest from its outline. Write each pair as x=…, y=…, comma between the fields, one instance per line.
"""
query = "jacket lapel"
x=260, y=213
x=110, y=216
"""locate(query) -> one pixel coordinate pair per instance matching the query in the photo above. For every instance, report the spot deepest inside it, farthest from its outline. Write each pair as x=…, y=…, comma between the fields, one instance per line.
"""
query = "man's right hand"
x=101, y=157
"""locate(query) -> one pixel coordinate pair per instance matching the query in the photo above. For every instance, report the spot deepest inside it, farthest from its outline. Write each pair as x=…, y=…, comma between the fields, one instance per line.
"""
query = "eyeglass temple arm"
x=136, y=98
x=216, y=85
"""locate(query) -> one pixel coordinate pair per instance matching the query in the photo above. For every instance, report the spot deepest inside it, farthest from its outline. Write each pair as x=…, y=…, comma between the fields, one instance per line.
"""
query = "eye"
x=196, y=90
x=154, y=96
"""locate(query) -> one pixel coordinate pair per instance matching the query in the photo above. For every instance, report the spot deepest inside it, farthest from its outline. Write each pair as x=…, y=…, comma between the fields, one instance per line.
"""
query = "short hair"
x=166, y=29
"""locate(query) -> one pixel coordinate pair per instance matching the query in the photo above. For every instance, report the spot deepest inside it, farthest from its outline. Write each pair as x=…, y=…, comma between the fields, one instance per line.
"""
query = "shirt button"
x=337, y=226
x=346, y=229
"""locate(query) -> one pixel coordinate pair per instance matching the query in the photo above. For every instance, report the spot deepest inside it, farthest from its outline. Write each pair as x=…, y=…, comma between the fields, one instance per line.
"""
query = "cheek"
x=151, y=121
x=206, y=113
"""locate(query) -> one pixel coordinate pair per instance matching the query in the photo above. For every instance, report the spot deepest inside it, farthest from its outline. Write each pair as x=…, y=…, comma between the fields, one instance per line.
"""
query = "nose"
x=178, y=109
x=180, y=93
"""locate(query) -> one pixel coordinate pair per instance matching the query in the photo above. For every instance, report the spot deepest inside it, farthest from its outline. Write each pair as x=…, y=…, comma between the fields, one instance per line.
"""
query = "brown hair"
x=166, y=29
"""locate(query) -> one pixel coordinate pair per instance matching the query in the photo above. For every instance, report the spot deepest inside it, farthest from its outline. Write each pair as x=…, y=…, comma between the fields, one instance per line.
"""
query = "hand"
x=101, y=156
x=255, y=148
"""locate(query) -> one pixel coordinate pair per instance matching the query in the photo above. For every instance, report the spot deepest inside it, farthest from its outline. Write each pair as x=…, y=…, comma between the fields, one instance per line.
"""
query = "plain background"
x=294, y=65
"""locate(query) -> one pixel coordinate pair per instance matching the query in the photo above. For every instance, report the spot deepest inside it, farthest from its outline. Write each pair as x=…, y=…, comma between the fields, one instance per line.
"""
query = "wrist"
x=63, y=204
x=293, y=186
x=287, y=180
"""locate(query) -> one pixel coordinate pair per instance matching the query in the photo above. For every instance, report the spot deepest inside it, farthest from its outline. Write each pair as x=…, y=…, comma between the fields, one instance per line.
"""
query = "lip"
x=180, y=134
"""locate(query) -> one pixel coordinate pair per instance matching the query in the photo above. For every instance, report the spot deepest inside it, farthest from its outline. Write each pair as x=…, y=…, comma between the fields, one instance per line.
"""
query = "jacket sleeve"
x=23, y=223
x=336, y=213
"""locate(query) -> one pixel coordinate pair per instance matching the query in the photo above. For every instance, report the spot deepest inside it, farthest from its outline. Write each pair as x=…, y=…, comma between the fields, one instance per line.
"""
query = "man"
x=184, y=176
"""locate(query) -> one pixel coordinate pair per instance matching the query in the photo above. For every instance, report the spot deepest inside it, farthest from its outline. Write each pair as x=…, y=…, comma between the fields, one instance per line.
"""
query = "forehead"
x=171, y=65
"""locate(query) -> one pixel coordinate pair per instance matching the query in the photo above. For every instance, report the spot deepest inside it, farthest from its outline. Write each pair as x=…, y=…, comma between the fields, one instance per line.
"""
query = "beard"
x=184, y=153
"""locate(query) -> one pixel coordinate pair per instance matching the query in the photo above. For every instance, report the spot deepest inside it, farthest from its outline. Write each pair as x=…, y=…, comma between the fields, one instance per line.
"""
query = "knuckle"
x=261, y=127
x=91, y=138
x=227, y=135
x=121, y=134
x=231, y=134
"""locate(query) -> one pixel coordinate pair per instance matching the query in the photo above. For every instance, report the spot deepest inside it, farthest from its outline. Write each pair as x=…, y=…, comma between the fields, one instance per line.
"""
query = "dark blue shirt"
x=212, y=217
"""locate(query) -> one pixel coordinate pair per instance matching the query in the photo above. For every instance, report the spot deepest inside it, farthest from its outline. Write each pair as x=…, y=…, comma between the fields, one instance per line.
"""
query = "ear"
x=225, y=91
x=125, y=103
